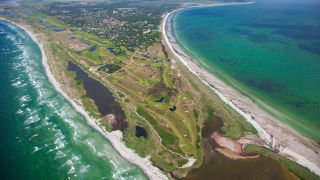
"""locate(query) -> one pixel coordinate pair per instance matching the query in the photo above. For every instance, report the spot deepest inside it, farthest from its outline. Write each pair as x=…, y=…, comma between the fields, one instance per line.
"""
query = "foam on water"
x=84, y=169
x=16, y=84
x=52, y=132
x=35, y=149
x=72, y=170
x=59, y=155
x=35, y=135
x=32, y=119
x=19, y=111
x=93, y=149
x=25, y=98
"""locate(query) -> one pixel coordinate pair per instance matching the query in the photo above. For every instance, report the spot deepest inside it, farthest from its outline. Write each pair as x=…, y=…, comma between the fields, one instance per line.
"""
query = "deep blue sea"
x=42, y=137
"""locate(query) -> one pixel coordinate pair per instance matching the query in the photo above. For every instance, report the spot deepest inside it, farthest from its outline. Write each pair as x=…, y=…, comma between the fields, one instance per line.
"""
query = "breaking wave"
x=52, y=132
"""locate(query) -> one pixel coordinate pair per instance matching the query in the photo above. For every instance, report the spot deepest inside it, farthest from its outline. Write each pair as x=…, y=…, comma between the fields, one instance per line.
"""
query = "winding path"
x=191, y=160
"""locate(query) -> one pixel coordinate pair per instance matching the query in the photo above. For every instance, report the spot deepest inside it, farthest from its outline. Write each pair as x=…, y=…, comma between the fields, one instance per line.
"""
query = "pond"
x=101, y=95
x=140, y=131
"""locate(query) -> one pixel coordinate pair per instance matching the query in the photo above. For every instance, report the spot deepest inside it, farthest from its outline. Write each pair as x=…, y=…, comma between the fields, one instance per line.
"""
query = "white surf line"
x=115, y=137
x=262, y=132
x=191, y=160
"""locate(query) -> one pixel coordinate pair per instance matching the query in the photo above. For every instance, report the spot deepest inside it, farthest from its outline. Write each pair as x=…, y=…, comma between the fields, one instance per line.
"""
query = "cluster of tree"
x=109, y=68
x=131, y=24
x=118, y=51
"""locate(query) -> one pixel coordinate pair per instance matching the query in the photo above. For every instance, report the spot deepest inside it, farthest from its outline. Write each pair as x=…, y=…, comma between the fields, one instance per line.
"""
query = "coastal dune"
x=277, y=134
x=114, y=137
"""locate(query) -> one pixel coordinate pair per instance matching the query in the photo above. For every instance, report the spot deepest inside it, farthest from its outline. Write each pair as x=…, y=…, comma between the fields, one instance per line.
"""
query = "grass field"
x=137, y=83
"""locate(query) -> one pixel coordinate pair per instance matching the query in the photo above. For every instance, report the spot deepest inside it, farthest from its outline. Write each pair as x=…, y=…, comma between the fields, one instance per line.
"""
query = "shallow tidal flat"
x=218, y=166
x=268, y=50
x=221, y=167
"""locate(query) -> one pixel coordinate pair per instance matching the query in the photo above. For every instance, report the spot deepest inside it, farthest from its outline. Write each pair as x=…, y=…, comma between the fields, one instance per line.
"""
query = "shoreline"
x=114, y=137
x=279, y=135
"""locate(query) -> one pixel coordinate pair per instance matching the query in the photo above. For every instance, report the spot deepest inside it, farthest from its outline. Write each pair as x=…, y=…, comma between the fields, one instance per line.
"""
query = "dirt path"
x=191, y=160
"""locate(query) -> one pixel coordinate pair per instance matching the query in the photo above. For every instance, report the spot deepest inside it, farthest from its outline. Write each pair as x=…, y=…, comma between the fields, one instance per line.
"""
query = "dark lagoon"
x=141, y=132
x=101, y=95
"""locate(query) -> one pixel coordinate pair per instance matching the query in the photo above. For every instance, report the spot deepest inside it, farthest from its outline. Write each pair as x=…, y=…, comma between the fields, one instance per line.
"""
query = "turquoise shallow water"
x=42, y=137
x=269, y=50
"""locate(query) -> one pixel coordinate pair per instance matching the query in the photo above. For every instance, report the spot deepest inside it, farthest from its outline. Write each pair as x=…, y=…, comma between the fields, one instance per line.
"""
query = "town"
x=134, y=28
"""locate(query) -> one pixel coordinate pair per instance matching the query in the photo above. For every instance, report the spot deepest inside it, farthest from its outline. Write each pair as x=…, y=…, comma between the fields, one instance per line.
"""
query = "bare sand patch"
x=71, y=40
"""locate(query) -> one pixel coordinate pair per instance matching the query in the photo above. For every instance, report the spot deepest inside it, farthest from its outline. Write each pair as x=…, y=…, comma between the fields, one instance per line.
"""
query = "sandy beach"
x=114, y=137
x=277, y=134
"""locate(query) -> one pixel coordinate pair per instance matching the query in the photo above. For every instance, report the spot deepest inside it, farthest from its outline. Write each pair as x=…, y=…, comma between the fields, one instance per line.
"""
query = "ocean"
x=269, y=51
x=42, y=136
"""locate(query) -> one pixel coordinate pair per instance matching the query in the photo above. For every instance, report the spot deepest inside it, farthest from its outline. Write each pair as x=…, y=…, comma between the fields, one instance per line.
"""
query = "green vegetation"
x=182, y=162
x=137, y=81
x=167, y=138
x=90, y=106
x=198, y=128
x=295, y=168
x=195, y=114
x=121, y=94
x=118, y=51
x=198, y=142
x=210, y=114
x=61, y=63
x=233, y=129
x=129, y=24
x=166, y=76
x=109, y=68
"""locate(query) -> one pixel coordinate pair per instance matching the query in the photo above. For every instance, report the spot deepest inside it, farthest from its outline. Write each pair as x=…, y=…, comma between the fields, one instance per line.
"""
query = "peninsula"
x=119, y=65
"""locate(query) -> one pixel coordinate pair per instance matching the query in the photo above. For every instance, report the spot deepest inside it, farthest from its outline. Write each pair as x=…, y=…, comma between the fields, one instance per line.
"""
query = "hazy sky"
x=9, y=3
